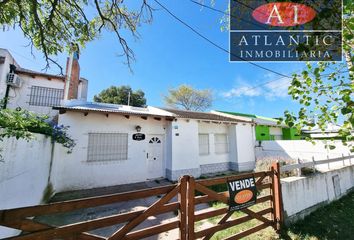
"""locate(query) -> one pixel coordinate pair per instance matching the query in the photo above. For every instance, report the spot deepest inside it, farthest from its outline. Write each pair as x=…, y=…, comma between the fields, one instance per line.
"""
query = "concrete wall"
x=294, y=149
x=24, y=172
x=72, y=171
x=303, y=195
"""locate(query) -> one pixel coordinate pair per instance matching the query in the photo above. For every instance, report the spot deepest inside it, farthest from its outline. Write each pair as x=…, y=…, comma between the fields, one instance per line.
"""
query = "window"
x=221, y=143
x=203, y=144
x=107, y=147
x=46, y=97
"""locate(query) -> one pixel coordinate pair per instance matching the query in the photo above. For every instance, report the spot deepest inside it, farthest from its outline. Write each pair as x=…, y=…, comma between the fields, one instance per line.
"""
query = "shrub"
x=265, y=164
x=22, y=124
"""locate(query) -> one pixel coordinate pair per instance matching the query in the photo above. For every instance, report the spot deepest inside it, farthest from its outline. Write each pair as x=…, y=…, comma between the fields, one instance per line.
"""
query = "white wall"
x=19, y=97
x=245, y=143
x=24, y=173
x=302, y=195
x=4, y=69
x=211, y=129
x=294, y=149
x=185, y=151
x=72, y=171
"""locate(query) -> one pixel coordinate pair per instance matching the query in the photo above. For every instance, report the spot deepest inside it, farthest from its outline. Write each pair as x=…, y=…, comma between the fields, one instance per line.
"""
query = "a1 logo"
x=284, y=14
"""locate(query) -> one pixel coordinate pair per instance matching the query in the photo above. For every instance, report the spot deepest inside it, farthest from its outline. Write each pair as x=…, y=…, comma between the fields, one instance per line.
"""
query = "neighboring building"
x=331, y=132
x=36, y=91
x=267, y=128
x=119, y=144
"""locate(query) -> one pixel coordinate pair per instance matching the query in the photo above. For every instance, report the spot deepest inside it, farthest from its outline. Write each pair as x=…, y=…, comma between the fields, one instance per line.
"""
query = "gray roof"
x=26, y=71
x=113, y=108
x=35, y=73
x=202, y=115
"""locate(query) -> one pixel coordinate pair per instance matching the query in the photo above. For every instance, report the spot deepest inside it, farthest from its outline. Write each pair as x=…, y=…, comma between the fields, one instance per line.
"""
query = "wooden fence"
x=180, y=197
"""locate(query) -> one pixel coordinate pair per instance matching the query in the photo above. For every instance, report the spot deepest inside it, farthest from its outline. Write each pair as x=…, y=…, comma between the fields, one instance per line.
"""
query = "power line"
x=215, y=44
x=225, y=50
x=224, y=13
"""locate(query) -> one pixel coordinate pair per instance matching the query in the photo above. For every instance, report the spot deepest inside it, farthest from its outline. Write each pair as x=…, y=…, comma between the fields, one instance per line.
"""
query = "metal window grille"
x=221, y=143
x=46, y=97
x=203, y=144
x=107, y=147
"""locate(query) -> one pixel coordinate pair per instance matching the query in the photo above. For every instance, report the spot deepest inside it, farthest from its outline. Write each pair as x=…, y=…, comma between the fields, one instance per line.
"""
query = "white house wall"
x=72, y=171
x=184, y=150
x=4, y=69
x=215, y=162
x=245, y=144
x=19, y=97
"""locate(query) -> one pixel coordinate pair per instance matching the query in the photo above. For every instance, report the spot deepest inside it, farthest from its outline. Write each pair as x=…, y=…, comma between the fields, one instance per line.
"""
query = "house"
x=330, y=132
x=119, y=144
x=37, y=91
x=267, y=128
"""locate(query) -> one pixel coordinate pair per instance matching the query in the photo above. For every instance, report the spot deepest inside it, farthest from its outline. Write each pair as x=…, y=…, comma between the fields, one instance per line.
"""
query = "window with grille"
x=221, y=143
x=107, y=147
x=203, y=144
x=46, y=97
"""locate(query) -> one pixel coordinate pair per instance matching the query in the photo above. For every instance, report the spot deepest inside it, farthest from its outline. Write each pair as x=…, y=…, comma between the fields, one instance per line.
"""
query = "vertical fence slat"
x=182, y=212
x=277, y=204
x=190, y=196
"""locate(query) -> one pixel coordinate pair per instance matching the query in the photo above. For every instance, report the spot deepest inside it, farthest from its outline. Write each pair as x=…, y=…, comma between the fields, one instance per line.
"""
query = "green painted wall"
x=262, y=133
x=290, y=134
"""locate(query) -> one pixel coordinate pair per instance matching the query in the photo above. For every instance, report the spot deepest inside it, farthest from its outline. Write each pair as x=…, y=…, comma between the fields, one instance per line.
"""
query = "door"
x=154, y=156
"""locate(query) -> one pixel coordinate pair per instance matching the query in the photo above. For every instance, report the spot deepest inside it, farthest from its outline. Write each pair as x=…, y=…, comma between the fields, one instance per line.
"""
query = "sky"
x=169, y=54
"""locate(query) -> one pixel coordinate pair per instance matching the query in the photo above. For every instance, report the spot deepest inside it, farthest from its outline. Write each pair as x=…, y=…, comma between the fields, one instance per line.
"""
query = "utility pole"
x=129, y=98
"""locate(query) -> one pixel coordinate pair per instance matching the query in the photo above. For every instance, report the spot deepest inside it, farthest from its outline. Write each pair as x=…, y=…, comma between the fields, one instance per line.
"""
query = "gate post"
x=277, y=197
x=190, y=215
x=182, y=211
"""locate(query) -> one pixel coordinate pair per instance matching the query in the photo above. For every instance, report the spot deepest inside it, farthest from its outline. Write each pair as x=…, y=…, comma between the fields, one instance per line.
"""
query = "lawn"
x=334, y=221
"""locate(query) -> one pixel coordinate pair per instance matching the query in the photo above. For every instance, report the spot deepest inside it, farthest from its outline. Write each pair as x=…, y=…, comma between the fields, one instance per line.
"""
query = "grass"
x=334, y=221
x=331, y=222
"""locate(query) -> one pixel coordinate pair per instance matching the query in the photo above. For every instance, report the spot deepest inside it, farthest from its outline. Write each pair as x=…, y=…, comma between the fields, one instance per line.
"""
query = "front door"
x=155, y=156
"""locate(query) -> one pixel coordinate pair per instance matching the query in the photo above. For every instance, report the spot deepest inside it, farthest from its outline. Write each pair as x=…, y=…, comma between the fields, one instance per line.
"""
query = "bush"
x=22, y=124
x=265, y=164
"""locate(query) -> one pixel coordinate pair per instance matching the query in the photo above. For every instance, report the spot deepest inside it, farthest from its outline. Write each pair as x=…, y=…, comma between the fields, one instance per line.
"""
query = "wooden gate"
x=180, y=197
x=268, y=185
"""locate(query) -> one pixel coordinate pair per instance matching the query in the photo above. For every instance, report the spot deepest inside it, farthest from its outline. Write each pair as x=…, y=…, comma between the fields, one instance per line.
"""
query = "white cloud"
x=242, y=91
x=276, y=88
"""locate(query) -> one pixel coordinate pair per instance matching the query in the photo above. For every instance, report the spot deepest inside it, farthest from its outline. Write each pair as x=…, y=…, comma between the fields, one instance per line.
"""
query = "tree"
x=52, y=26
x=324, y=90
x=330, y=99
x=189, y=98
x=120, y=95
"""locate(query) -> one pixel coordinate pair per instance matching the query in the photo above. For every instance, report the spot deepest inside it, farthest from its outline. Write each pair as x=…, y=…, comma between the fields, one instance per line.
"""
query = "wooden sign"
x=138, y=136
x=243, y=193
